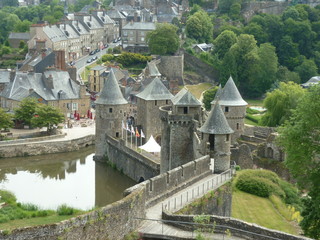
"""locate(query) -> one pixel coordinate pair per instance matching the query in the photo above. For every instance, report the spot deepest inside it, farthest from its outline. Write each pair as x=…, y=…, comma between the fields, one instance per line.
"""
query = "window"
x=130, y=39
x=142, y=39
x=167, y=101
x=227, y=137
x=142, y=33
x=110, y=110
x=131, y=32
x=74, y=106
x=117, y=134
x=238, y=126
x=125, y=33
x=185, y=110
x=155, y=102
x=226, y=109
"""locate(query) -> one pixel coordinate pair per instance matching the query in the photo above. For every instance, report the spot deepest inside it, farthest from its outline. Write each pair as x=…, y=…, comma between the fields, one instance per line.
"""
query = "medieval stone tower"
x=179, y=123
x=111, y=109
x=234, y=108
x=216, y=135
x=148, y=102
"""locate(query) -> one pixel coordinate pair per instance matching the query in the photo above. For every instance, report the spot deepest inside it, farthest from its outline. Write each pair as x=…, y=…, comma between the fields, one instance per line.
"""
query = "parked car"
x=119, y=39
x=89, y=60
x=94, y=58
x=115, y=40
x=106, y=45
x=92, y=52
x=72, y=63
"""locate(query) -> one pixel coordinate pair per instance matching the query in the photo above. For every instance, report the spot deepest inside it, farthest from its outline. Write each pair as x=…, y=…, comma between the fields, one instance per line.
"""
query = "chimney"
x=135, y=16
x=12, y=75
x=31, y=91
x=40, y=44
x=49, y=82
x=60, y=60
x=72, y=73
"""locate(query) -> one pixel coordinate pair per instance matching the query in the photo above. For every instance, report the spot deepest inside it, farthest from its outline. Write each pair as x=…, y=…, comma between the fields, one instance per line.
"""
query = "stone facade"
x=172, y=67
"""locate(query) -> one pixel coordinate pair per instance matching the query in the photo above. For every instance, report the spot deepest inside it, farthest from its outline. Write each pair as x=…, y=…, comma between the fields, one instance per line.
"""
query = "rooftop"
x=185, y=98
x=156, y=90
x=230, y=95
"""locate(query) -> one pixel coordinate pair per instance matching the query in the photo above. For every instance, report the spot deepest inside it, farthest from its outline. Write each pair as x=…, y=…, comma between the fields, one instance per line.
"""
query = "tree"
x=223, y=43
x=26, y=110
x=46, y=116
x=280, y=103
x=199, y=26
x=208, y=97
x=5, y=119
x=288, y=53
x=163, y=40
x=300, y=138
x=307, y=70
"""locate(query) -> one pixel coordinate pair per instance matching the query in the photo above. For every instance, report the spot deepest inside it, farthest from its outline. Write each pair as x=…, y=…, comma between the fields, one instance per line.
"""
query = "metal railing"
x=207, y=230
x=179, y=201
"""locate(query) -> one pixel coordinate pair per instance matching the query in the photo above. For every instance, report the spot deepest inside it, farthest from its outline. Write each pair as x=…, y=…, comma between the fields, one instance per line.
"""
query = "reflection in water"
x=69, y=178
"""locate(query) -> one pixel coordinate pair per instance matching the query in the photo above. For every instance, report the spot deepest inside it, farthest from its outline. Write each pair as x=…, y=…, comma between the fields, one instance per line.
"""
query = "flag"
x=137, y=132
x=142, y=134
x=123, y=125
x=132, y=130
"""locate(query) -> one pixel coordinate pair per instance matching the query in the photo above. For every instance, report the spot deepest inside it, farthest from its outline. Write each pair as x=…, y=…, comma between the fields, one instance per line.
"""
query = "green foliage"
x=5, y=120
x=163, y=40
x=307, y=69
x=255, y=119
x=208, y=97
x=262, y=183
x=65, y=210
x=300, y=137
x=129, y=59
x=26, y=110
x=199, y=26
x=107, y=57
x=223, y=43
x=7, y=197
x=280, y=103
x=46, y=116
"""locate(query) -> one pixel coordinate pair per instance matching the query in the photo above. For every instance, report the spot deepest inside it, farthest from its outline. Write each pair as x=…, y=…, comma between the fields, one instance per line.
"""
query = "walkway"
x=153, y=226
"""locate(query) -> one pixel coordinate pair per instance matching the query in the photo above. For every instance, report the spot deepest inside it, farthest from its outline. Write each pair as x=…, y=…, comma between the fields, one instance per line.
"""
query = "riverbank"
x=71, y=139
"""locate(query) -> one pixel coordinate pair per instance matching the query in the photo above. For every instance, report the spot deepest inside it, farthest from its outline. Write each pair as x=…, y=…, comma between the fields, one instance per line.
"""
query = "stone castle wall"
x=40, y=148
x=172, y=67
x=237, y=227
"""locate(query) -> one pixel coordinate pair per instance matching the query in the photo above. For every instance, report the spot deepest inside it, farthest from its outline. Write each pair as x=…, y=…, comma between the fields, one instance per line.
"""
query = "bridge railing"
x=177, y=202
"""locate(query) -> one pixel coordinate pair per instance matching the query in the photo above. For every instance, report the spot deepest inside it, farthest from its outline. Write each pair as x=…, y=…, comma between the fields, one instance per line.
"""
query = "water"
x=66, y=178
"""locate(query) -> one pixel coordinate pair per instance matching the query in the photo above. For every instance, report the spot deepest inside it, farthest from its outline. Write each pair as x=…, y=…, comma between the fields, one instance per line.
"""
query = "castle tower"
x=148, y=102
x=217, y=96
x=178, y=127
x=234, y=108
x=111, y=109
x=216, y=131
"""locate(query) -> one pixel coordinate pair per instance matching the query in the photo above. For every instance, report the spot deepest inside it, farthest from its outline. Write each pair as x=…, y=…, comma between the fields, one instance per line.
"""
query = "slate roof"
x=311, y=82
x=153, y=70
x=54, y=33
x=114, y=14
x=217, y=96
x=104, y=18
x=92, y=22
x=156, y=90
x=98, y=68
x=185, y=98
x=230, y=95
x=69, y=31
x=140, y=26
x=24, y=82
x=111, y=94
x=4, y=76
x=19, y=35
x=216, y=122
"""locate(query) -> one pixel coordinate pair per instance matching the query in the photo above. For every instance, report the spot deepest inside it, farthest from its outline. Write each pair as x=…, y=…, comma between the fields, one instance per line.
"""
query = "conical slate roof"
x=216, y=122
x=111, y=94
x=217, y=96
x=185, y=98
x=230, y=95
x=156, y=90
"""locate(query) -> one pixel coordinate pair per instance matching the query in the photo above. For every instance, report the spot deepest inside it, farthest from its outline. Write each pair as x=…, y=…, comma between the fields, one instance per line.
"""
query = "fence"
x=177, y=202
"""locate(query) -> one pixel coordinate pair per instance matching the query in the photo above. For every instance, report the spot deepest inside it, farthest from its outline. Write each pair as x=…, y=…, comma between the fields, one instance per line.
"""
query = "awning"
x=151, y=146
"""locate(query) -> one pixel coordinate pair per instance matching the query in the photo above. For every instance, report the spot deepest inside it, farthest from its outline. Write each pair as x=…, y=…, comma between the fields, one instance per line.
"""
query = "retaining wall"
x=40, y=148
x=236, y=227
x=34, y=139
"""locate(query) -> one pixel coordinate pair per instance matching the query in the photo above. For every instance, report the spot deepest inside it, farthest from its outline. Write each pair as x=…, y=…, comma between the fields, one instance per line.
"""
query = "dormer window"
x=226, y=109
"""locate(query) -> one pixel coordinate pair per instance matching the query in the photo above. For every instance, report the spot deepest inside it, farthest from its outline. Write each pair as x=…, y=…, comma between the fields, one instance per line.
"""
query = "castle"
x=179, y=124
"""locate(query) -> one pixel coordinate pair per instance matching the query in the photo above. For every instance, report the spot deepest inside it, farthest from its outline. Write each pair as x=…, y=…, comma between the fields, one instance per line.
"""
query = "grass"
x=254, y=209
x=255, y=102
x=197, y=90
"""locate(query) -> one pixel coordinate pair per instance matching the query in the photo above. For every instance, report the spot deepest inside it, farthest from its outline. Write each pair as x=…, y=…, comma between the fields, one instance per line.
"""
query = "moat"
x=72, y=178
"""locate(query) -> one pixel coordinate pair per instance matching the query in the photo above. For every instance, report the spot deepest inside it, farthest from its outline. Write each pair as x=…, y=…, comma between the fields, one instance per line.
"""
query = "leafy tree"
x=12, y=3
x=208, y=97
x=300, y=137
x=5, y=120
x=23, y=26
x=288, y=53
x=46, y=116
x=284, y=75
x=199, y=26
x=257, y=31
x=26, y=110
x=223, y=43
x=307, y=70
x=225, y=5
x=235, y=10
x=280, y=103
x=163, y=40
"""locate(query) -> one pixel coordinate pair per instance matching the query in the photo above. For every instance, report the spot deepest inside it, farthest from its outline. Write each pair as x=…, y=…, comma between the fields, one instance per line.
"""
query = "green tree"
x=12, y=3
x=307, y=70
x=257, y=31
x=208, y=97
x=163, y=40
x=235, y=10
x=288, y=53
x=280, y=103
x=26, y=110
x=223, y=43
x=199, y=26
x=5, y=119
x=300, y=138
x=47, y=116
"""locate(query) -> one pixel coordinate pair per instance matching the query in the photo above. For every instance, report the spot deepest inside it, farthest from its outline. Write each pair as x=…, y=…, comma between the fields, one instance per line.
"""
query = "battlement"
x=167, y=115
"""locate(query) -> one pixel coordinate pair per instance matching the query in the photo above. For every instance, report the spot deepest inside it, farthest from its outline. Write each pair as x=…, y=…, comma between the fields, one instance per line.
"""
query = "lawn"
x=197, y=90
x=255, y=102
x=261, y=211
x=27, y=222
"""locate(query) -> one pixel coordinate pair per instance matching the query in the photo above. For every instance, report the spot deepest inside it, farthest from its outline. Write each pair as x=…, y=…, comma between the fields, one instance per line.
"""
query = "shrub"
x=292, y=194
x=7, y=197
x=252, y=118
x=128, y=59
x=252, y=111
x=107, y=58
x=28, y=206
x=65, y=210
